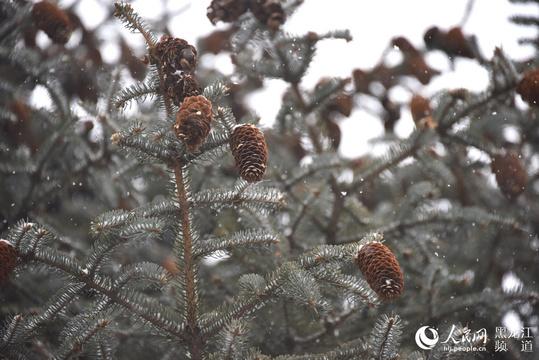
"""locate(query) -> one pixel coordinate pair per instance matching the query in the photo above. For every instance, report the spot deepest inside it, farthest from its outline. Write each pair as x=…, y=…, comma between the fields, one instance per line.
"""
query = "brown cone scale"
x=181, y=87
x=250, y=152
x=381, y=270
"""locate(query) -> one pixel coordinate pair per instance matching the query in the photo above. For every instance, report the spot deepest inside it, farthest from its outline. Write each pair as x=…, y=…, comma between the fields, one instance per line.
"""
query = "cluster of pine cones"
x=177, y=60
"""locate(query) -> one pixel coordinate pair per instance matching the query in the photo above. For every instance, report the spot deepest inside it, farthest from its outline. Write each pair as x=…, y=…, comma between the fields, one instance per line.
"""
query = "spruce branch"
x=149, y=311
x=242, y=304
x=244, y=238
x=189, y=288
x=11, y=332
x=385, y=337
x=232, y=340
x=226, y=118
x=82, y=331
x=397, y=152
x=133, y=137
x=138, y=91
x=524, y=20
x=212, y=150
x=261, y=198
x=216, y=91
x=134, y=23
x=55, y=306
x=321, y=166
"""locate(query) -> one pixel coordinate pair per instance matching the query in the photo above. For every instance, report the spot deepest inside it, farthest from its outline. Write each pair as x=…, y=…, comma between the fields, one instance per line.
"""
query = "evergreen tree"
x=159, y=219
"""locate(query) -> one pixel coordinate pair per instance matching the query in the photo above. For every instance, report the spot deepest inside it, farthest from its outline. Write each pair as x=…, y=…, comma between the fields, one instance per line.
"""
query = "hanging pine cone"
x=453, y=42
x=52, y=20
x=181, y=87
x=193, y=121
x=226, y=10
x=250, y=152
x=381, y=269
x=510, y=173
x=422, y=112
x=8, y=261
x=457, y=44
x=413, y=63
x=268, y=12
x=528, y=87
x=174, y=54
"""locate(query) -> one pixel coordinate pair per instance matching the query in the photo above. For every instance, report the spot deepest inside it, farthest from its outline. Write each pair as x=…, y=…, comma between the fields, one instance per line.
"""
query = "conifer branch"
x=11, y=331
x=56, y=305
x=256, y=196
x=191, y=294
x=390, y=329
x=394, y=155
x=133, y=22
x=132, y=137
x=140, y=307
x=139, y=91
x=239, y=239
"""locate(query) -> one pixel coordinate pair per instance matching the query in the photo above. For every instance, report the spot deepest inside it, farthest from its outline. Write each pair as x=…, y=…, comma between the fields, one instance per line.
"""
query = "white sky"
x=372, y=24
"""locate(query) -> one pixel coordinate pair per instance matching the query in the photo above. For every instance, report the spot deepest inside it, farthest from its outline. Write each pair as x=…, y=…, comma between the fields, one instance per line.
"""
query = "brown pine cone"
x=528, y=87
x=510, y=173
x=381, y=270
x=457, y=44
x=422, y=112
x=174, y=54
x=52, y=20
x=181, y=87
x=8, y=261
x=193, y=122
x=405, y=46
x=418, y=68
x=268, y=12
x=250, y=152
x=226, y=10
x=453, y=42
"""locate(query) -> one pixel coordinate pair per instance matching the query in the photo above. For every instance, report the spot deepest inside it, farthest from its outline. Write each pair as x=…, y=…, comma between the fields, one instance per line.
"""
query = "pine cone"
x=418, y=68
x=193, y=121
x=381, y=269
x=422, y=112
x=8, y=261
x=174, y=54
x=181, y=87
x=510, y=173
x=413, y=62
x=268, y=12
x=453, y=43
x=457, y=44
x=226, y=10
x=528, y=87
x=250, y=152
x=52, y=20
